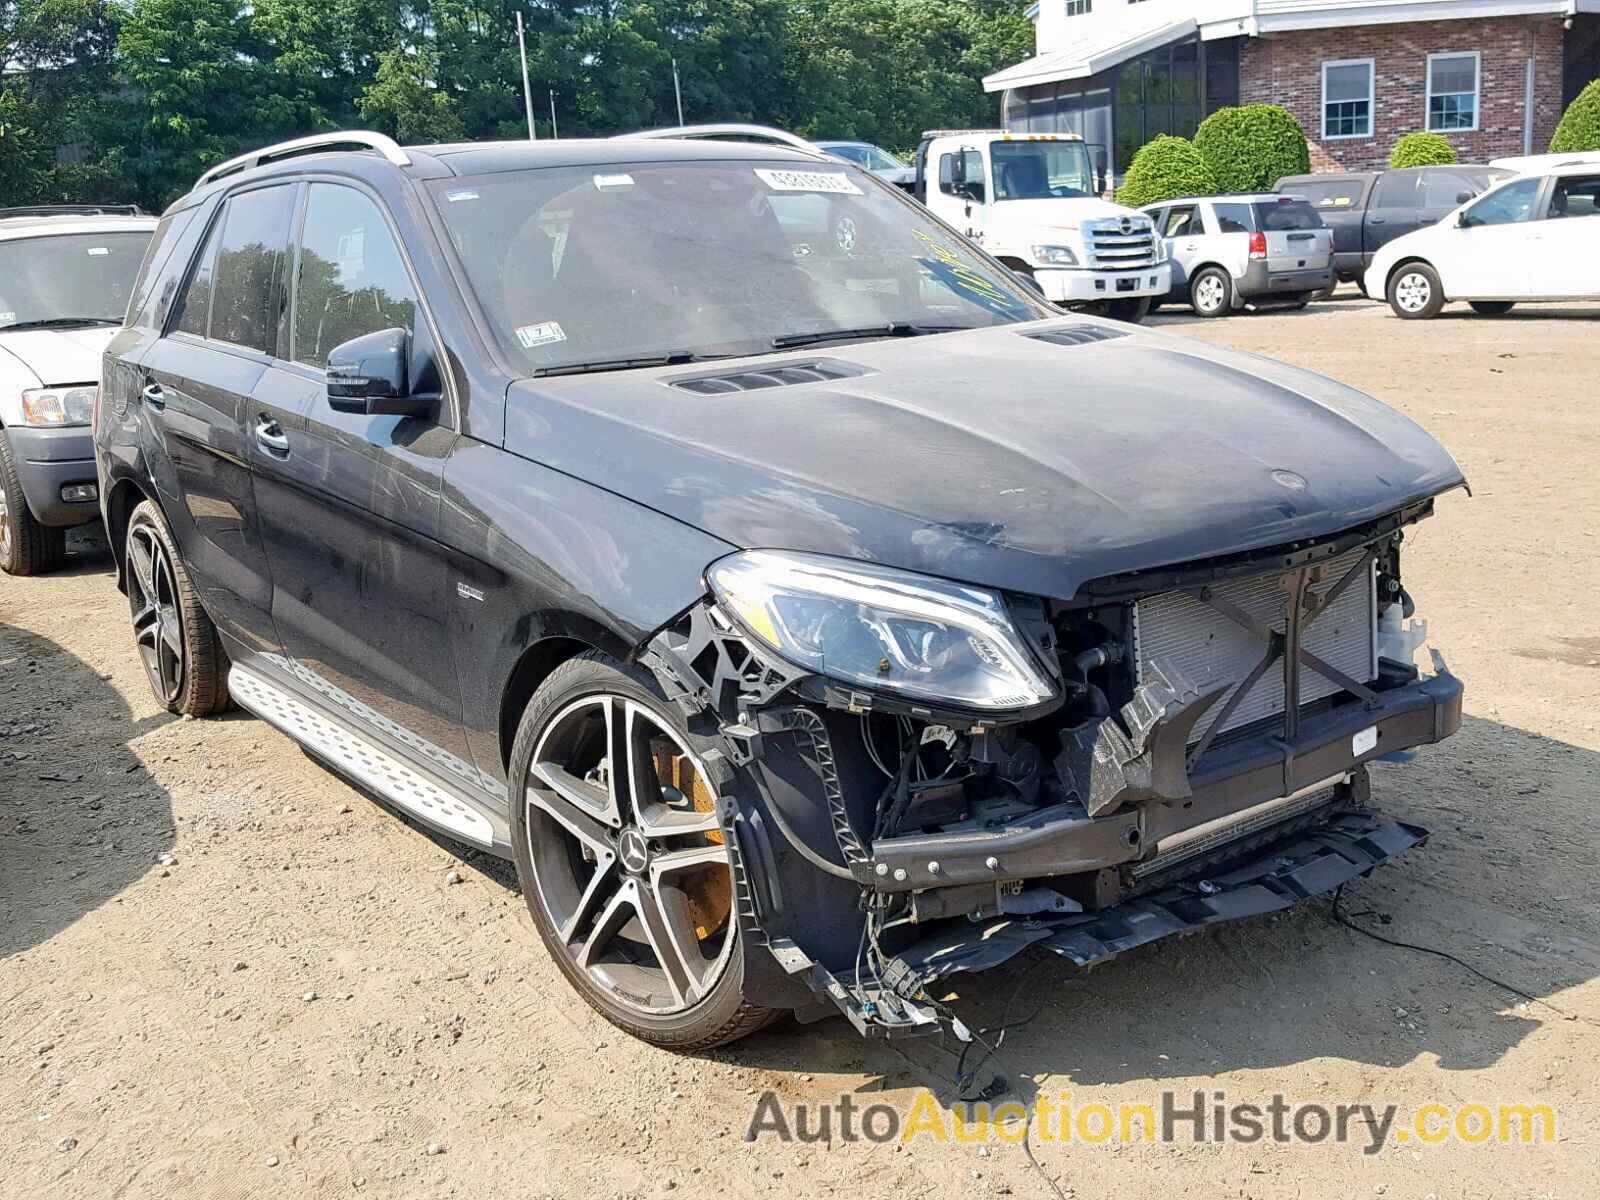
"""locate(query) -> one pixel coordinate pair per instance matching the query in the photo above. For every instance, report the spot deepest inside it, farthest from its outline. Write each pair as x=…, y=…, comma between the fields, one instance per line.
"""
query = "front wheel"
x=1492, y=308
x=1211, y=293
x=26, y=547
x=621, y=858
x=1415, y=293
x=1131, y=311
x=182, y=655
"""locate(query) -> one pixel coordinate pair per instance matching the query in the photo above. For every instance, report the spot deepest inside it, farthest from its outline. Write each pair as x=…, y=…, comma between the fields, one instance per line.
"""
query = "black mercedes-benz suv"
x=809, y=609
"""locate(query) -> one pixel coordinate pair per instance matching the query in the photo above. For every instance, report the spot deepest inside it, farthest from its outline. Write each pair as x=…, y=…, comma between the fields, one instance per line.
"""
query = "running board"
x=360, y=758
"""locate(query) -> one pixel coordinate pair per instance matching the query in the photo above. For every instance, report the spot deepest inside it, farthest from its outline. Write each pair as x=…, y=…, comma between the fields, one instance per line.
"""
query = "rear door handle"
x=154, y=396
x=271, y=438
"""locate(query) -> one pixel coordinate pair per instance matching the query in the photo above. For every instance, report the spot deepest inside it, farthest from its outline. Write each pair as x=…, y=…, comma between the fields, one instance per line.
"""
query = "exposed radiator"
x=1209, y=648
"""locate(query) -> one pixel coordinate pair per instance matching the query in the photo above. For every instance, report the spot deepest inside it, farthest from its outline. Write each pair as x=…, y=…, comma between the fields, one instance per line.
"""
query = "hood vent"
x=782, y=376
x=1076, y=335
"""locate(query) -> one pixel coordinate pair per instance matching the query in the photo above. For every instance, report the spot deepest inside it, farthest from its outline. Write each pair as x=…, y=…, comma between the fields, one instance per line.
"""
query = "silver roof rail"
x=751, y=132
x=386, y=146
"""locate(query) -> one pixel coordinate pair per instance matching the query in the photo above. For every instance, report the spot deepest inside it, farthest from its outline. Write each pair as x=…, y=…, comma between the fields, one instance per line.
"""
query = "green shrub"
x=1580, y=127
x=1249, y=149
x=1422, y=150
x=1165, y=169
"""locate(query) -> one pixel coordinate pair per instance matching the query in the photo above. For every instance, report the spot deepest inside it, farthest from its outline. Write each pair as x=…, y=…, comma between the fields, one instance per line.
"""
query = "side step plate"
x=359, y=758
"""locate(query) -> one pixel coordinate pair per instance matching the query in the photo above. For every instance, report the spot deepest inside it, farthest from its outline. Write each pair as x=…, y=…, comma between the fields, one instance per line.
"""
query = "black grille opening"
x=1076, y=335
x=771, y=377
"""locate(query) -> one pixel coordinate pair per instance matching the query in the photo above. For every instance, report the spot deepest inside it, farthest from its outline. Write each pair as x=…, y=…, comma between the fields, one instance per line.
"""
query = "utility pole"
x=527, y=92
x=677, y=89
x=554, y=131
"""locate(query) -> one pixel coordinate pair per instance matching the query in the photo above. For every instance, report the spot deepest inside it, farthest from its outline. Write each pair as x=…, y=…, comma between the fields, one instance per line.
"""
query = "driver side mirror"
x=972, y=191
x=1100, y=172
x=371, y=374
x=1463, y=197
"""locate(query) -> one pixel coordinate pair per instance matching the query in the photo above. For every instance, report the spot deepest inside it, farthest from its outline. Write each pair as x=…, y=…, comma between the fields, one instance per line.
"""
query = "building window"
x=1347, y=98
x=1452, y=93
x=1079, y=8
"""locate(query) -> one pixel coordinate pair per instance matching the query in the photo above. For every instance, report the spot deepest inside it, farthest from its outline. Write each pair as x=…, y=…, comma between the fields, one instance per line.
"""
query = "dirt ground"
x=300, y=1004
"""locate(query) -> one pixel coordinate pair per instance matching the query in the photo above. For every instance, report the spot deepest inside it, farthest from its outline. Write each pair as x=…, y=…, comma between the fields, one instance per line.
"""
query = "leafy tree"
x=406, y=100
x=1250, y=148
x=1579, y=129
x=1165, y=169
x=24, y=157
x=1422, y=150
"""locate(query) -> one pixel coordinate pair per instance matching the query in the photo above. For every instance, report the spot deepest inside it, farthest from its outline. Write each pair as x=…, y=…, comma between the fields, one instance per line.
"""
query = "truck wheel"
x=1211, y=293
x=1131, y=311
x=178, y=645
x=1492, y=308
x=26, y=547
x=1415, y=293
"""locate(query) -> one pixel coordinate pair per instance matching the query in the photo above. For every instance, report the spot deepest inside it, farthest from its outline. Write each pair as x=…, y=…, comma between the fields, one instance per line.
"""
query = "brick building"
x=1492, y=76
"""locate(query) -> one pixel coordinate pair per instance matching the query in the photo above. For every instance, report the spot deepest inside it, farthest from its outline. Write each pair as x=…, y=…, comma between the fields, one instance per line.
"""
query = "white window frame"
x=1371, y=65
x=1477, y=91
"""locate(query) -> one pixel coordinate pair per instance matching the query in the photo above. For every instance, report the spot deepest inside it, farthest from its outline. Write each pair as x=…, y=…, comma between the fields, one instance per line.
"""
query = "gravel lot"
x=297, y=1002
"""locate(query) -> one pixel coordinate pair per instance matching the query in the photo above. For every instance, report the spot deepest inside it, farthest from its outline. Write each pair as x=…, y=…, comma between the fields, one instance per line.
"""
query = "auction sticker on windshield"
x=543, y=334
x=808, y=181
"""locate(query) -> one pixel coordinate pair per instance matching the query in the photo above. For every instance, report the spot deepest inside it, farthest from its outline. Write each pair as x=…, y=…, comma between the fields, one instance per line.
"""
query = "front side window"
x=1041, y=170
x=575, y=266
x=194, y=306
x=68, y=279
x=1452, y=93
x=1181, y=222
x=249, y=267
x=1347, y=99
x=1509, y=205
x=1444, y=189
x=351, y=279
x=855, y=154
x=1576, y=197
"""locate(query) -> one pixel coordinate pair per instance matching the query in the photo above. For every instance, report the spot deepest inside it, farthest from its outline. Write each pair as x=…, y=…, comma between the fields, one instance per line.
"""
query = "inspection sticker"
x=836, y=182
x=98, y=251
x=540, y=335
x=460, y=194
x=610, y=183
x=1366, y=740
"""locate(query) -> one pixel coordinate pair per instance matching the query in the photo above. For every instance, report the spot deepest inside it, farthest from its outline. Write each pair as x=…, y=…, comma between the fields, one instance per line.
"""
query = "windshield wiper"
x=672, y=358
x=63, y=322
x=896, y=329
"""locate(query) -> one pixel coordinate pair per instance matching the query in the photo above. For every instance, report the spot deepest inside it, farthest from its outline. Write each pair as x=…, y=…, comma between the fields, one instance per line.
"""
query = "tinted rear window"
x=1275, y=216
x=1234, y=218
x=1334, y=194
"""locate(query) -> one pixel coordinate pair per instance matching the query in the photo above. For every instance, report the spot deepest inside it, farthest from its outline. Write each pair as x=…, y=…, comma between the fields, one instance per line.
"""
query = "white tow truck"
x=1033, y=201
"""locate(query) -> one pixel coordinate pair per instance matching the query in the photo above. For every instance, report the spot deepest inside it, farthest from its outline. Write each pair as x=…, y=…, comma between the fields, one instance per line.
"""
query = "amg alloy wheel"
x=622, y=860
x=177, y=643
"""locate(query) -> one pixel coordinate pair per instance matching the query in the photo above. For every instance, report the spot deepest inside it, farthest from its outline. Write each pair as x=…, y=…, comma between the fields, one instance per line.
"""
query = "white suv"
x=66, y=273
x=1229, y=252
x=1535, y=237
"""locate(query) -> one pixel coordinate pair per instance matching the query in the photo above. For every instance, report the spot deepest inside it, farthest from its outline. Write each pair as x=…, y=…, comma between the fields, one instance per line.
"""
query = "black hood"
x=992, y=457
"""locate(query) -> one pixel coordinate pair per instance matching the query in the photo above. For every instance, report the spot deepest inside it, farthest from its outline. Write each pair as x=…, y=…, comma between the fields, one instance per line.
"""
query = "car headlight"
x=1059, y=256
x=58, y=406
x=1161, y=250
x=891, y=630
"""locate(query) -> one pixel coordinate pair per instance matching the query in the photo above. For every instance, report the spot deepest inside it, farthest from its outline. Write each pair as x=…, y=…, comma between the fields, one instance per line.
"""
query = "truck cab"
x=1033, y=202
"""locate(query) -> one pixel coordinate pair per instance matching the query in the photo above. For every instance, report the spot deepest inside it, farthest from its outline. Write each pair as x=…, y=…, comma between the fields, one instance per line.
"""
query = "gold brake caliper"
x=709, y=892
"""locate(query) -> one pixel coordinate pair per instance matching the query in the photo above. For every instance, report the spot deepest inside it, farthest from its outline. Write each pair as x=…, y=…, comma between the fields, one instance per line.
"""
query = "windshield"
x=578, y=265
x=64, y=278
x=1041, y=170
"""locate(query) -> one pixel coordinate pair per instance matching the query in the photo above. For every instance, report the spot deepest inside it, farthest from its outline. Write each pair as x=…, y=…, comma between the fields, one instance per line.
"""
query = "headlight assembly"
x=58, y=406
x=922, y=638
x=1055, y=256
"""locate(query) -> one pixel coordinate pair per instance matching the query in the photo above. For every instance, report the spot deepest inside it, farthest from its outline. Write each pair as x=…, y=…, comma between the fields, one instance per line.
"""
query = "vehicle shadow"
x=81, y=818
x=1496, y=885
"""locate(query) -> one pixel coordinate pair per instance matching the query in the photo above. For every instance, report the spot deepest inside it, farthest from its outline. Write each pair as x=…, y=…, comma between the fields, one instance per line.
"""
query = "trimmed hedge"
x=1422, y=150
x=1165, y=169
x=1250, y=148
x=1580, y=126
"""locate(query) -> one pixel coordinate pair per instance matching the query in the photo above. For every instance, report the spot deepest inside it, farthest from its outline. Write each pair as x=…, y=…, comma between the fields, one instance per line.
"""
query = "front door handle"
x=154, y=396
x=271, y=438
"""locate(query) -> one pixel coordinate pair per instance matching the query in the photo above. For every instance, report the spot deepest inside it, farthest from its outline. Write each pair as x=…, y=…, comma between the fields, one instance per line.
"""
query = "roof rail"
x=73, y=210
x=386, y=146
x=751, y=132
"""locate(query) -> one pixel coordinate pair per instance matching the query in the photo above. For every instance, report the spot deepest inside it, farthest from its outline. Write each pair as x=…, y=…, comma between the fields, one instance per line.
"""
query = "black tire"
x=1211, y=293
x=1414, y=292
x=1130, y=311
x=191, y=677
x=26, y=547
x=1361, y=286
x=1492, y=308
x=722, y=1014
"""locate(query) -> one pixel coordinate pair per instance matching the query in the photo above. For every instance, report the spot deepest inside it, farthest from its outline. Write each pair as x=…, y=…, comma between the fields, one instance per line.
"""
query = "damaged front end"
x=1141, y=775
